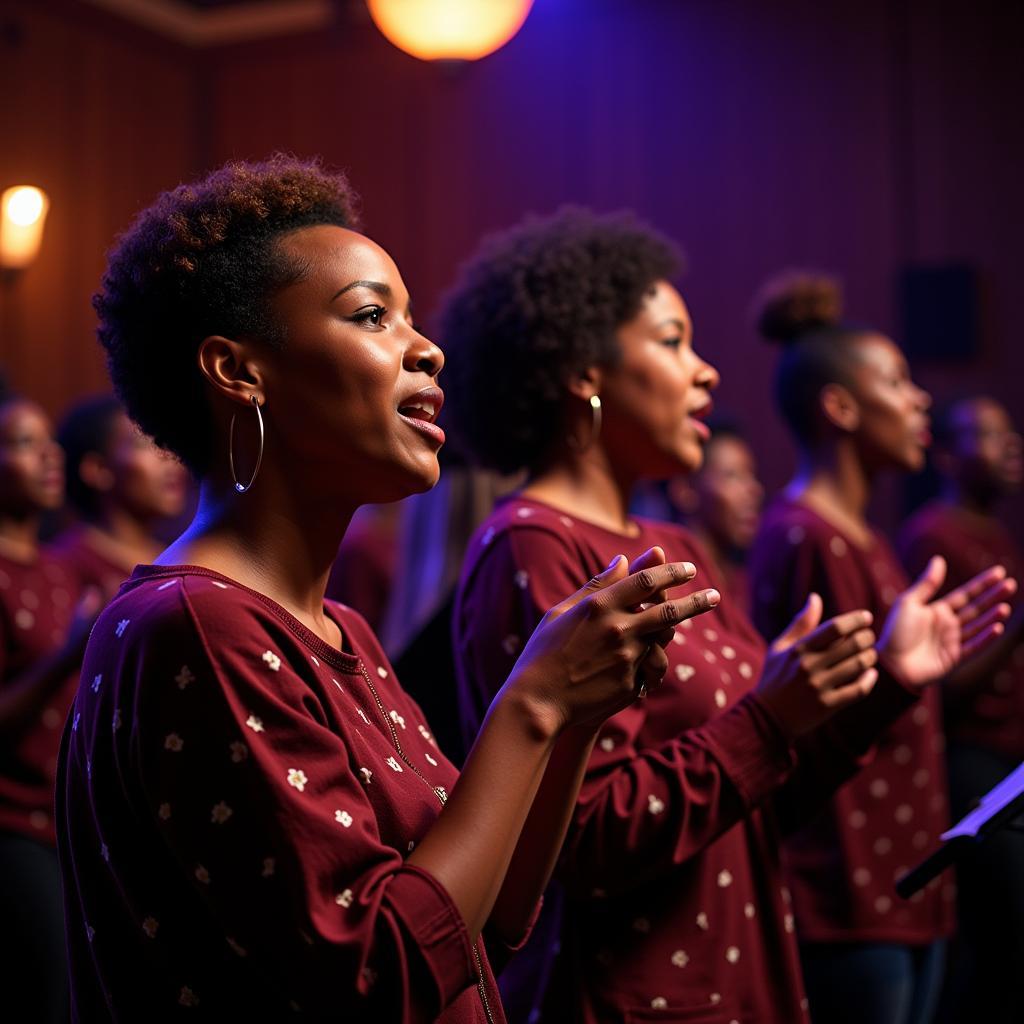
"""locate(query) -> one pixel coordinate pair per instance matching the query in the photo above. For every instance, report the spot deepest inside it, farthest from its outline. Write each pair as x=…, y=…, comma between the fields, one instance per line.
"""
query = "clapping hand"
x=924, y=639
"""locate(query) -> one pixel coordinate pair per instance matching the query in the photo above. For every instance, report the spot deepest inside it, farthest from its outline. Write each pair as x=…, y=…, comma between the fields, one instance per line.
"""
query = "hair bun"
x=795, y=302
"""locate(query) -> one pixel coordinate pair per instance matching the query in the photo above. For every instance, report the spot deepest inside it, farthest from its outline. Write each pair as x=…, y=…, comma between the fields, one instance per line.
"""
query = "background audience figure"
x=43, y=630
x=978, y=455
x=365, y=571
x=121, y=487
x=848, y=399
x=721, y=503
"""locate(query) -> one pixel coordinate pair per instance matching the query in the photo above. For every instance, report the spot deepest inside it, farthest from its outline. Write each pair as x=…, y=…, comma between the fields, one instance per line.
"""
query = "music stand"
x=999, y=808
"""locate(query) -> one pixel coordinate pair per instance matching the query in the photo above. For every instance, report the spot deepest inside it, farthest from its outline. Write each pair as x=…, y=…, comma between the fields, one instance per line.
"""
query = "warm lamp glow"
x=23, y=212
x=449, y=29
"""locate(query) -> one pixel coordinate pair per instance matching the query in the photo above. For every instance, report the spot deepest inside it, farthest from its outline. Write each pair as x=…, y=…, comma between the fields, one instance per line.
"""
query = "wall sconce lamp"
x=449, y=30
x=23, y=210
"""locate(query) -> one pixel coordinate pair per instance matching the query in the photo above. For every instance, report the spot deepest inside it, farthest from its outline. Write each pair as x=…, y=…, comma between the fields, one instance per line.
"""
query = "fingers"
x=806, y=621
x=615, y=571
x=926, y=586
x=853, y=692
x=644, y=585
x=847, y=647
x=999, y=614
x=652, y=667
x=967, y=592
x=999, y=590
x=981, y=641
x=836, y=628
x=846, y=671
x=667, y=615
x=651, y=557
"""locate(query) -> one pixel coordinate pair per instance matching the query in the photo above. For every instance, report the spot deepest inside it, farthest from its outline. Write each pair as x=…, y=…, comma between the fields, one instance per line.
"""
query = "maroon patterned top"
x=993, y=717
x=36, y=605
x=842, y=866
x=675, y=905
x=238, y=800
x=90, y=566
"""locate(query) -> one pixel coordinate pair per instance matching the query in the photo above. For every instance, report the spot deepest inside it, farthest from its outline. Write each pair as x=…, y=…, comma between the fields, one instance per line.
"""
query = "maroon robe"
x=238, y=800
x=993, y=715
x=91, y=566
x=36, y=605
x=842, y=866
x=675, y=905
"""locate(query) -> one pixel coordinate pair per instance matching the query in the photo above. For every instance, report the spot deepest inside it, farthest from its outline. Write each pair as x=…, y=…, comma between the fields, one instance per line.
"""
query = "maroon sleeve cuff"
x=427, y=912
x=751, y=747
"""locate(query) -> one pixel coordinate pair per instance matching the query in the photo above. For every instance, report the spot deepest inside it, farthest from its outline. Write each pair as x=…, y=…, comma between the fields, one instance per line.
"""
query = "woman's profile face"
x=729, y=492
x=352, y=395
x=145, y=480
x=894, y=423
x=655, y=398
x=31, y=461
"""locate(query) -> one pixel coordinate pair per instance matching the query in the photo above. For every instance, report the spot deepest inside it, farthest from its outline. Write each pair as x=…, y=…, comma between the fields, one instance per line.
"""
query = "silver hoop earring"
x=242, y=488
x=595, y=427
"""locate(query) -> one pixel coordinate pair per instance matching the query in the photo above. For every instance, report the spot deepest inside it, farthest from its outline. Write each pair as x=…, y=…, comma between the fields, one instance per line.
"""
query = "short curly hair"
x=802, y=310
x=202, y=260
x=535, y=305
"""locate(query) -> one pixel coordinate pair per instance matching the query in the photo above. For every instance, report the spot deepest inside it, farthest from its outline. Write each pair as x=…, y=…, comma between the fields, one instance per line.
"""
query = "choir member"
x=572, y=357
x=43, y=629
x=121, y=486
x=847, y=396
x=256, y=821
x=721, y=503
x=978, y=454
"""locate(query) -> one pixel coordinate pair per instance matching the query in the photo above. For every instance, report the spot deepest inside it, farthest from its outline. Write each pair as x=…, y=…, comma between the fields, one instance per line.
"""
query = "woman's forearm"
x=543, y=834
x=469, y=848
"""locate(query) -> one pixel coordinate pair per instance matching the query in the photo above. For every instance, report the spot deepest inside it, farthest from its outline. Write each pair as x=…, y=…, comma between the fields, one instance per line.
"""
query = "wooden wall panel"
x=856, y=135
x=101, y=117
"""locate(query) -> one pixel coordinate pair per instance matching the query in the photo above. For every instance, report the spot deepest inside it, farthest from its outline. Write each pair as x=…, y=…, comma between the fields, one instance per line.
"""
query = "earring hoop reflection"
x=595, y=427
x=240, y=487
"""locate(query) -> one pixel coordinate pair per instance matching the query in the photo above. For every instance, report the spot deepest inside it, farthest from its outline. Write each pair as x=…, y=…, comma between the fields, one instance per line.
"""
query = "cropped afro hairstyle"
x=535, y=305
x=87, y=427
x=802, y=310
x=202, y=260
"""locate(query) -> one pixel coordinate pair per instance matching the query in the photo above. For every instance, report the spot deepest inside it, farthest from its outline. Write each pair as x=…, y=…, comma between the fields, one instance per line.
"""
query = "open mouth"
x=697, y=418
x=421, y=411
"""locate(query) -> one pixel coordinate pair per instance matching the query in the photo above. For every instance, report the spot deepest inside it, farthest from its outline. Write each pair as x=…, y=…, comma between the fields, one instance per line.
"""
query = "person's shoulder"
x=166, y=599
x=791, y=524
x=678, y=541
x=517, y=521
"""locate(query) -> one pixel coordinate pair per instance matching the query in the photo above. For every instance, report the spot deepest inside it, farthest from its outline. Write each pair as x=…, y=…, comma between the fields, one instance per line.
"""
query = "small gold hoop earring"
x=240, y=487
x=595, y=427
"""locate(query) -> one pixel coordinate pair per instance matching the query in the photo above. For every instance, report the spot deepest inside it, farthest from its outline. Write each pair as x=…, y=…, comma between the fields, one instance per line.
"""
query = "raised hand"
x=813, y=669
x=924, y=639
x=598, y=650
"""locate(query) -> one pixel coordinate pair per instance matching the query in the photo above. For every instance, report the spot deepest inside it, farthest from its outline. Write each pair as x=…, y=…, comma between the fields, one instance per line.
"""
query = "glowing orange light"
x=23, y=210
x=449, y=29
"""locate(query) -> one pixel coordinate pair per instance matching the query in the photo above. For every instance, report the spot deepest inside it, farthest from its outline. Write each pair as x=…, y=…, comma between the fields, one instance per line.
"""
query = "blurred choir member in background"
x=847, y=396
x=256, y=819
x=978, y=455
x=364, y=572
x=121, y=487
x=434, y=532
x=571, y=356
x=720, y=503
x=43, y=630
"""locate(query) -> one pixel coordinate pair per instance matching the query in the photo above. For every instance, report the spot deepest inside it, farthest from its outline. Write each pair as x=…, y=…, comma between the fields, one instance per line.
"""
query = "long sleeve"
x=646, y=805
x=790, y=561
x=274, y=811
